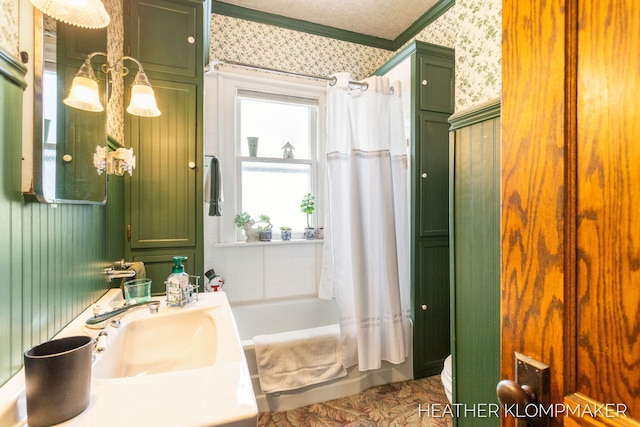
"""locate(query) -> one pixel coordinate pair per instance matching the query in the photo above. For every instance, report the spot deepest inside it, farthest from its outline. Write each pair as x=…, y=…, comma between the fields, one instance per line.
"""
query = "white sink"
x=169, y=341
x=179, y=367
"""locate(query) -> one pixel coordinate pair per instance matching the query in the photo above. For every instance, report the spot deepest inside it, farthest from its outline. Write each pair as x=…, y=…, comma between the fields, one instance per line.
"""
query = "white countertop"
x=216, y=395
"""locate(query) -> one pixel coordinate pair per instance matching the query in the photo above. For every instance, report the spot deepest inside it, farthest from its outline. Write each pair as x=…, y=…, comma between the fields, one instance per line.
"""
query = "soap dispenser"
x=177, y=283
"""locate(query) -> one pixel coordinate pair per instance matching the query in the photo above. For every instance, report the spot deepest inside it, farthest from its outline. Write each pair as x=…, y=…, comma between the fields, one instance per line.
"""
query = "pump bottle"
x=177, y=283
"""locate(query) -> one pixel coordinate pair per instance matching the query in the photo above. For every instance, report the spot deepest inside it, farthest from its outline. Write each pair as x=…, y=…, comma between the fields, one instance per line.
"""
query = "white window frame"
x=229, y=83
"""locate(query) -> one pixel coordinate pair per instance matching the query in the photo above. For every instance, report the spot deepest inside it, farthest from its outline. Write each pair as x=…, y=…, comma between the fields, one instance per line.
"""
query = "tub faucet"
x=101, y=320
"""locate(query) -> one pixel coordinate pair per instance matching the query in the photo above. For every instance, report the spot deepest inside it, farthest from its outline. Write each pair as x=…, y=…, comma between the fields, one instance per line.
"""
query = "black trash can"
x=57, y=380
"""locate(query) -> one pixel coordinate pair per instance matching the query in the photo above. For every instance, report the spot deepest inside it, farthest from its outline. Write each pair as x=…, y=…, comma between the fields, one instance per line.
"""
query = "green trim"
x=415, y=46
x=299, y=25
x=480, y=113
x=436, y=11
x=11, y=68
x=239, y=12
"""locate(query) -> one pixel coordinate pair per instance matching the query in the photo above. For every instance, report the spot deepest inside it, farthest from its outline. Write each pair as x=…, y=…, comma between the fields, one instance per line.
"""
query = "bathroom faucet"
x=112, y=273
x=101, y=320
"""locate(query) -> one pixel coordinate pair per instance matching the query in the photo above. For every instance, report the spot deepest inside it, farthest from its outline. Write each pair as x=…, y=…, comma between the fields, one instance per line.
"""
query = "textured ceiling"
x=386, y=19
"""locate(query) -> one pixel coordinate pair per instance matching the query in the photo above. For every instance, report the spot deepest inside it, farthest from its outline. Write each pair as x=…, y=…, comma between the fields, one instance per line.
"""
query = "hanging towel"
x=291, y=360
x=213, y=188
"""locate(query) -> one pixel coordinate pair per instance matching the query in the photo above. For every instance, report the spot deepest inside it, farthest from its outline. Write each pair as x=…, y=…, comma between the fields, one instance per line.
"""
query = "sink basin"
x=183, y=366
x=175, y=341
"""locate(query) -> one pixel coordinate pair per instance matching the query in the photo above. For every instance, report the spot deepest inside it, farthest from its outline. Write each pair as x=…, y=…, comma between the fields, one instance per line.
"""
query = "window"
x=282, y=117
x=269, y=183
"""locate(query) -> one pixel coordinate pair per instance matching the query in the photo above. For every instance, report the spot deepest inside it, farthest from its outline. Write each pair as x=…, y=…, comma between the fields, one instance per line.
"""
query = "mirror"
x=66, y=139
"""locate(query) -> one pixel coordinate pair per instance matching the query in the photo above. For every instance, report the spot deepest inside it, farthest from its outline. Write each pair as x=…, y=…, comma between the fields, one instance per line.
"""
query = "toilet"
x=445, y=376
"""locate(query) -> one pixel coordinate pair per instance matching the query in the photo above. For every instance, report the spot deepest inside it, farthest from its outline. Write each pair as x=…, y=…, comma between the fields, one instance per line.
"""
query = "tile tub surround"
x=111, y=397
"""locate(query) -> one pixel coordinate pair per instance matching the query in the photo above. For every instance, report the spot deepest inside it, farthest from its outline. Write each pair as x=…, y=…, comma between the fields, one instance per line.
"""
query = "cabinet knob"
x=67, y=158
x=424, y=175
x=191, y=39
x=424, y=83
x=424, y=307
x=192, y=165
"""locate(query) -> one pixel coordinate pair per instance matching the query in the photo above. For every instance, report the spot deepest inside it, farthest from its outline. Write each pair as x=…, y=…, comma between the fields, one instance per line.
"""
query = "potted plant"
x=265, y=228
x=307, y=206
x=243, y=220
x=285, y=232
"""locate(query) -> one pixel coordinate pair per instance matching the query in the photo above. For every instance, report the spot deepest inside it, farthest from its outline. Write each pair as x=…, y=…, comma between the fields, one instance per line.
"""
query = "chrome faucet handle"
x=101, y=320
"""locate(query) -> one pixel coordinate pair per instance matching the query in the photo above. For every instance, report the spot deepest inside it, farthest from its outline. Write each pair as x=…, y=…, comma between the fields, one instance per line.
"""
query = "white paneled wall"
x=264, y=271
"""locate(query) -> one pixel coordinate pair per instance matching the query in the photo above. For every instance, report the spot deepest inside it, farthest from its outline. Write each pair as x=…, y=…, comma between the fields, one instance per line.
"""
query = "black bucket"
x=57, y=380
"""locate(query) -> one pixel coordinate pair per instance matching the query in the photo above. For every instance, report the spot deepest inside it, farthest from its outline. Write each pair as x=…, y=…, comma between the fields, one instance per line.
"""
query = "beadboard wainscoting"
x=475, y=251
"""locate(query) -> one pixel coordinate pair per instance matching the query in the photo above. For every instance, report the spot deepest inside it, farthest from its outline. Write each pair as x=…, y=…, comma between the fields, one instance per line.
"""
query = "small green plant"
x=241, y=219
x=266, y=221
x=307, y=206
x=285, y=228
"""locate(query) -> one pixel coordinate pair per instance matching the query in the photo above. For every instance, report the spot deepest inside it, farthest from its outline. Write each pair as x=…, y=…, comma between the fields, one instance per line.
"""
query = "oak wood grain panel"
x=533, y=177
x=608, y=202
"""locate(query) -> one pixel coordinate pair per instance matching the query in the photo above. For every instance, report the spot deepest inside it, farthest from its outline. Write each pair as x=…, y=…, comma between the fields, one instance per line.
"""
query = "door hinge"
x=128, y=232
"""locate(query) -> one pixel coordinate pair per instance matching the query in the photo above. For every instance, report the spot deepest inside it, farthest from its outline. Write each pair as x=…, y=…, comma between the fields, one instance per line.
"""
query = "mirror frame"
x=38, y=123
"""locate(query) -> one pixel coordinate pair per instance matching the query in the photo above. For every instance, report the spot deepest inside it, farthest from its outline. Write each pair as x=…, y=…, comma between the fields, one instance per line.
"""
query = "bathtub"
x=282, y=316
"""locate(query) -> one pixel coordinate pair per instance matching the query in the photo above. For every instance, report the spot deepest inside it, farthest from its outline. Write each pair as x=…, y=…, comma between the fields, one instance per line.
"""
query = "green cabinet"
x=431, y=80
x=164, y=201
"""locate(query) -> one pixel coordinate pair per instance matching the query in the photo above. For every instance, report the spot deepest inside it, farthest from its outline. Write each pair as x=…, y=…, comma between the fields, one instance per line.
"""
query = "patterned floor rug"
x=408, y=403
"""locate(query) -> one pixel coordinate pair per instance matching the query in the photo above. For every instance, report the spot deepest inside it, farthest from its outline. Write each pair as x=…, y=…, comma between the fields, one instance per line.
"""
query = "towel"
x=291, y=360
x=213, y=188
x=138, y=268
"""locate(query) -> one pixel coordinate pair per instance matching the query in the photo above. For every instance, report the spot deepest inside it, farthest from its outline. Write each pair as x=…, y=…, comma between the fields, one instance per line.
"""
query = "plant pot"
x=265, y=235
x=320, y=233
x=309, y=233
x=285, y=234
x=253, y=145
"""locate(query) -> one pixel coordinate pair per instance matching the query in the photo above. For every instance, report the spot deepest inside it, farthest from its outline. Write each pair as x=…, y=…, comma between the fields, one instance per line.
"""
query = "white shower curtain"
x=366, y=252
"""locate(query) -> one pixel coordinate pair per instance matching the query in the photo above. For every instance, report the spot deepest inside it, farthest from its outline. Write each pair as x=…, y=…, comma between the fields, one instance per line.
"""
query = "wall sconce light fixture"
x=81, y=13
x=84, y=95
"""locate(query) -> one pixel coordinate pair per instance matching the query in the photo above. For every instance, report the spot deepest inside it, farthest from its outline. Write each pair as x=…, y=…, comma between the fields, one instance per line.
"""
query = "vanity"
x=181, y=366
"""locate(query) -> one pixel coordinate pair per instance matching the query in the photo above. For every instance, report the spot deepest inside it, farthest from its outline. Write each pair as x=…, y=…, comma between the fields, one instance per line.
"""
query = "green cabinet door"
x=164, y=201
x=164, y=36
x=163, y=186
x=433, y=91
x=436, y=77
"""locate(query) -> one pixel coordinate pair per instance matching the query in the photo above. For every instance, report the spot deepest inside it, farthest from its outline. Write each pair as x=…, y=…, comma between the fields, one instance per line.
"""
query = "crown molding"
x=239, y=12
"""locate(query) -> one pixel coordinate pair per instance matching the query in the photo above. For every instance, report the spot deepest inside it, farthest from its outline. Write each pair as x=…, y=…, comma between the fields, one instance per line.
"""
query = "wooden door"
x=570, y=189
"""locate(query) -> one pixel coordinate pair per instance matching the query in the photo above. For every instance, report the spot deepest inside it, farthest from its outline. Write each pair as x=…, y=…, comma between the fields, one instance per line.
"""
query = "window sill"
x=272, y=242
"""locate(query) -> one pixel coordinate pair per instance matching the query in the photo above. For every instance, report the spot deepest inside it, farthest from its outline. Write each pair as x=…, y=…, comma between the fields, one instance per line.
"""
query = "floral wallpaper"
x=115, y=49
x=274, y=47
x=9, y=25
x=472, y=27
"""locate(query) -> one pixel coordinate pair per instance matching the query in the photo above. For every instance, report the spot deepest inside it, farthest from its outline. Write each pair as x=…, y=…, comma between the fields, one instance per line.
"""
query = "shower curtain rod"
x=332, y=80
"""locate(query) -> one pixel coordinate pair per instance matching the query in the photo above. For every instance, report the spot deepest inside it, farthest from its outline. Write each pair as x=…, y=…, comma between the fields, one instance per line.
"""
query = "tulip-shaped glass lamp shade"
x=84, y=93
x=143, y=101
x=81, y=13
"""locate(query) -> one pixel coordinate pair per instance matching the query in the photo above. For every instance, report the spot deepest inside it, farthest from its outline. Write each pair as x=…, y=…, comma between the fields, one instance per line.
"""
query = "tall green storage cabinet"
x=164, y=197
x=431, y=82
